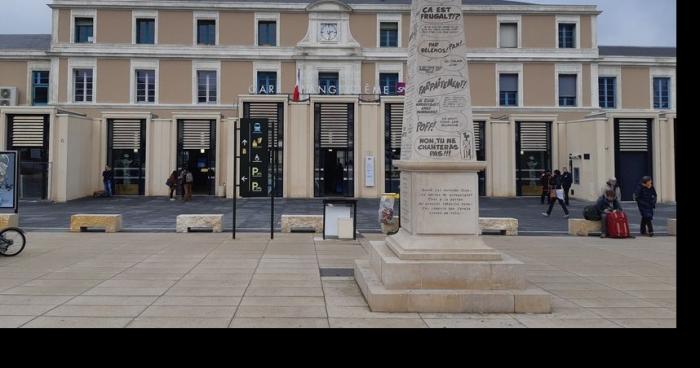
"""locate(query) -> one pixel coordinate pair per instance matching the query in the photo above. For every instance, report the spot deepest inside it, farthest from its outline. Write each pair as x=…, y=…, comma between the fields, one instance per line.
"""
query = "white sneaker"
x=545, y=214
x=172, y=199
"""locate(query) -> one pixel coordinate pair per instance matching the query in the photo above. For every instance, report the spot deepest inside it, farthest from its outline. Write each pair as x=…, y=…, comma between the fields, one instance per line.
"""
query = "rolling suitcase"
x=618, y=226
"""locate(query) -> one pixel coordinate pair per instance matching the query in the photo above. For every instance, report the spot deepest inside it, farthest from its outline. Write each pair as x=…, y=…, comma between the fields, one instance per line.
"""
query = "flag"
x=295, y=98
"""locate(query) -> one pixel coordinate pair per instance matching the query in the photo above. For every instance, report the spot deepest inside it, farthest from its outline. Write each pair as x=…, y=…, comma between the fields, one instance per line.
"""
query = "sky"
x=623, y=22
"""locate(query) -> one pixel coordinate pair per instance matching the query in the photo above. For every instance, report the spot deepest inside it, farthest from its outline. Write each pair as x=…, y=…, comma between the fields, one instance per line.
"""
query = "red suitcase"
x=618, y=226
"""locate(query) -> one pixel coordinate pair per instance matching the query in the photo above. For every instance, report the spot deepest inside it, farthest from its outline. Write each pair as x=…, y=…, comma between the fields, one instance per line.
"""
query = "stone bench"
x=8, y=220
x=292, y=223
x=583, y=227
x=507, y=226
x=82, y=222
x=671, y=227
x=187, y=223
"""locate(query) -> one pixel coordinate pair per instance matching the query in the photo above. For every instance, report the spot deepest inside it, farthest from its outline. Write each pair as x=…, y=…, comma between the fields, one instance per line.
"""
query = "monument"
x=437, y=262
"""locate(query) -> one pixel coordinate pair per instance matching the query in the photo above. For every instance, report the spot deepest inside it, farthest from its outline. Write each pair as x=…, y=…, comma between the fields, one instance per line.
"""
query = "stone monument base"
x=393, y=284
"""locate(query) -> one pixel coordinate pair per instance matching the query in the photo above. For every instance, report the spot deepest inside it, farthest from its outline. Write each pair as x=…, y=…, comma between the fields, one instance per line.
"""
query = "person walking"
x=189, y=179
x=172, y=184
x=645, y=196
x=556, y=194
x=566, y=181
x=544, y=182
x=107, y=179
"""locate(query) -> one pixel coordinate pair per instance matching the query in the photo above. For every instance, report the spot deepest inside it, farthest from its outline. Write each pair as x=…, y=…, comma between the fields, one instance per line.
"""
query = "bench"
x=671, y=227
x=302, y=223
x=190, y=223
x=506, y=226
x=82, y=222
x=583, y=227
x=8, y=220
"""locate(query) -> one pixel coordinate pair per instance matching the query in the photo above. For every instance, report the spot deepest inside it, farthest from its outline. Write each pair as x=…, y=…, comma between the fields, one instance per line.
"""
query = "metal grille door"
x=393, y=121
x=533, y=156
x=29, y=136
x=480, y=146
x=633, y=154
x=126, y=154
x=197, y=153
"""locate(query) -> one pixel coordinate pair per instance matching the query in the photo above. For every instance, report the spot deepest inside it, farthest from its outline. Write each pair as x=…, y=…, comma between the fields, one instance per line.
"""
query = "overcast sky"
x=623, y=22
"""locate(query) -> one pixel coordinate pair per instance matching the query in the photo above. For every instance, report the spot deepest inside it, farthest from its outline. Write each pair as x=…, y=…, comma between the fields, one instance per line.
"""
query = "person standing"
x=645, y=196
x=107, y=178
x=172, y=184
x=566, y=181
x=544, y=182
x=556, y=194
x=189, y=179
x=181, y=183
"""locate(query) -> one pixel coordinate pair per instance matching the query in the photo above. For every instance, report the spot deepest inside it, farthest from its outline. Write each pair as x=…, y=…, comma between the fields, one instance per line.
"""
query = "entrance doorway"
x=633, y=158
x=196, y=147
x=333, y=158
x=393, y=121
x=126, y=154
x=29, y=136
x=533, y=155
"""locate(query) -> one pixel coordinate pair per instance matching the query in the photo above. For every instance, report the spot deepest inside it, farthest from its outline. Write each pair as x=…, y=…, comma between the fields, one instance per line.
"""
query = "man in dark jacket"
x=645, y=196
x=107, y=179
x=566, y=181
x=555, y=184
x=544, y=182
x=606, y=204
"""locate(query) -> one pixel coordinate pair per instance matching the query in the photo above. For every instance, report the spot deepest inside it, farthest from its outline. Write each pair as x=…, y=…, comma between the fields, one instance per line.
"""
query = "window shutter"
x=567, y=85
x=334, y=125
x=126, y=134
x=28, y=131
x=533, y=137
x=633, y=136
x=509, y=82
x=196, y=134
x=509, y=35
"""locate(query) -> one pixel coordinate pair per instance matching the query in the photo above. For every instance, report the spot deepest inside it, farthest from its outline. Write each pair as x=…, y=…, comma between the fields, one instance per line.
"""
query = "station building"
x=150, y=86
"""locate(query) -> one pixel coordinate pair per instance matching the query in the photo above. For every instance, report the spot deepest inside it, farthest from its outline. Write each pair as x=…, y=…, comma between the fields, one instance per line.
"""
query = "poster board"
x=9, y=179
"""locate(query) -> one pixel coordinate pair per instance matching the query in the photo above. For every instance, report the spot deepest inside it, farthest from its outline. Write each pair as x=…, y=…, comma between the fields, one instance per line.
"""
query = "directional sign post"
x=255, y=157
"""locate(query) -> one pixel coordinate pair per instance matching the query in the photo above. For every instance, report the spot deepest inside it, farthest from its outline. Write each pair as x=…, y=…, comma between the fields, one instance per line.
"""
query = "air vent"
x=8, y=96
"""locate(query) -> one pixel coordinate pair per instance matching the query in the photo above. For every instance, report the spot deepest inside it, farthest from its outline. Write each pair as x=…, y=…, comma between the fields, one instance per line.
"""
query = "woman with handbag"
x=556, y=194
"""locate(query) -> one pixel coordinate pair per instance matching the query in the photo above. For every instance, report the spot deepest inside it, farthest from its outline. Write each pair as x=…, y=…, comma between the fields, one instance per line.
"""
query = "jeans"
x=172, y=191
x=551, y=205
x=647, y=228
x=545, y=194
x=108, y=188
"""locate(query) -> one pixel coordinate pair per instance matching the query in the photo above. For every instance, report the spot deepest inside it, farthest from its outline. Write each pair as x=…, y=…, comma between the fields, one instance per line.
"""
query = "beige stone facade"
x=80, y=142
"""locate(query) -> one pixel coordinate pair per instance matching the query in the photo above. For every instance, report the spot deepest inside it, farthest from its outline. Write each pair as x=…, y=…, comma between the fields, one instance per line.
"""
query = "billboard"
x=8, y=180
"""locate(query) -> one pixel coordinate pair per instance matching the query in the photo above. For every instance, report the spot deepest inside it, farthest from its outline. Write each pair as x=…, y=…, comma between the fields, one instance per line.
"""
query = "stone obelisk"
x=437, y=262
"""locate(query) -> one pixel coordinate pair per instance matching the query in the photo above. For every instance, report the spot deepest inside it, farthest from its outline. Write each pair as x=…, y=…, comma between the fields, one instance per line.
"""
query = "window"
x=328, y=84
x=40, y=88
x=82, y=82
x=508, y=89
x=607, y=92
x=145, y=31
x=83, y=30
x=206, y=32
x=509, y=35
x=662, y=93
x=567, y=36
x=389, y=34
x=267, y=33
x=267, y=83
x=567, y=90
x=146, y=86
x=388, y=83
x=206, y=87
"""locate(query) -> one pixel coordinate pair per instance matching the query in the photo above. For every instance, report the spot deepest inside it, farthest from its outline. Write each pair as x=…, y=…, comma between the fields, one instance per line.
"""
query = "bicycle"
x=12, y=241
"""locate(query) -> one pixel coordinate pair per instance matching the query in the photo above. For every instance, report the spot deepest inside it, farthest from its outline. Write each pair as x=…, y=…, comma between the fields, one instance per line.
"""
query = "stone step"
x=380, y=299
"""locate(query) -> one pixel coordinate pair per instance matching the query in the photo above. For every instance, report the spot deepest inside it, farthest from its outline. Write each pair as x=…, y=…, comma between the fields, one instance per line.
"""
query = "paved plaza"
x=209, y=280
x=158, y=213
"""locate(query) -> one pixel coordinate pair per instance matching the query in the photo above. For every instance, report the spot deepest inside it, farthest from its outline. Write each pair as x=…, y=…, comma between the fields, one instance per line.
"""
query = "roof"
x=388, y=2
x=40, y=42
x=637, y=51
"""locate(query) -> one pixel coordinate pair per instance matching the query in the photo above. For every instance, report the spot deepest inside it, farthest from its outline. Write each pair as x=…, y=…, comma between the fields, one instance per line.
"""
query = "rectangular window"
x=607, y=92
x=40, y=88
x=389, y=34
x=83, y=30
x=146, y=86
x=567, y=90
x=267, y=33
x=388, y=83
x=145, y=31
x=206, y=87
x=82, y=85
x=662, y=93
x=267, y=83
x=206, y=32
x=567, y=36
x=328, y=84
x=508, y=84
x=509, y=35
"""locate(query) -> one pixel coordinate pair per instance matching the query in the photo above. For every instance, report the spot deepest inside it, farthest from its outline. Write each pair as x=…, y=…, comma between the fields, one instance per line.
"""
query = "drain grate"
x=337, y=272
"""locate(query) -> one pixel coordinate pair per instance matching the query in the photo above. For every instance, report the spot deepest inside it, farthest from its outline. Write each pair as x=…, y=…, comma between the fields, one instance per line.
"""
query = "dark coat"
x=555, y=182
x=603, y=204
x=567, y=180
x=544, y=181
x=107, y=176
x=646, y=200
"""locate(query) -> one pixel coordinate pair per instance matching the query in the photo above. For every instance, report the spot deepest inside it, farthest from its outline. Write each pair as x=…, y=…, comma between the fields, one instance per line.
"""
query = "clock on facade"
x=329, y=31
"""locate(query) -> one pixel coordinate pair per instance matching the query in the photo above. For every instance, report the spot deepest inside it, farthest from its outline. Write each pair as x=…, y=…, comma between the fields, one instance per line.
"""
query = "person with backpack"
x=556, y=194
x=172, y=184
x=189, y=179
x=608, y=206
x=107, y=178
x=645, y=196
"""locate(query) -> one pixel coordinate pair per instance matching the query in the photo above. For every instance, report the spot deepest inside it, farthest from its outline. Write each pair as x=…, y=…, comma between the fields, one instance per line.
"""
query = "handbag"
x=552, y=193
x=560, y=194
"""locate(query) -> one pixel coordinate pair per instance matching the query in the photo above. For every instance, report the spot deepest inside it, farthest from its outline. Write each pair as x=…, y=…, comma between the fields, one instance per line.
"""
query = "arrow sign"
x=244, y=142
x=244, y=179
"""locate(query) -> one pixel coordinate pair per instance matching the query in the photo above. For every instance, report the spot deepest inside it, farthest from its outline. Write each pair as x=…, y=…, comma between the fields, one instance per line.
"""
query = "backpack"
x=189, y=178
x=591, y=213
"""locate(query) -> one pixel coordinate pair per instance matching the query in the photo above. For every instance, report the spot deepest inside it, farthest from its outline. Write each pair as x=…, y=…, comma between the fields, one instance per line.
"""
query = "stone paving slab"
x=68, y=280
